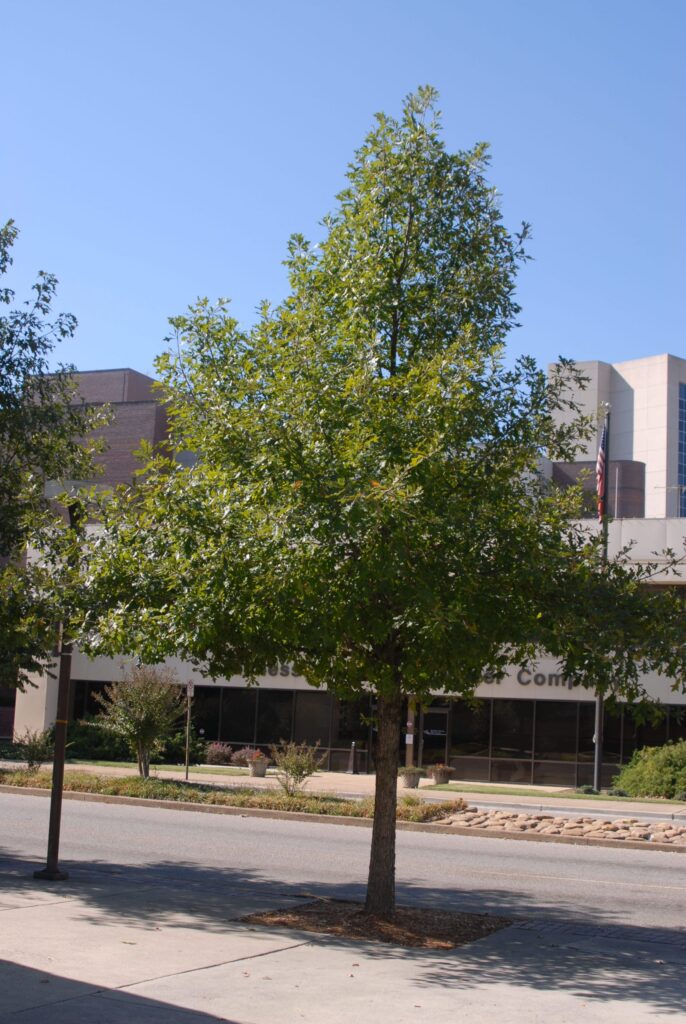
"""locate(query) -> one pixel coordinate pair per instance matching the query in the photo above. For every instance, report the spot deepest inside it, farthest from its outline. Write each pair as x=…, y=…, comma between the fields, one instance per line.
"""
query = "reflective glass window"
x=513, y=722
x=274, y=715
x=556, y=723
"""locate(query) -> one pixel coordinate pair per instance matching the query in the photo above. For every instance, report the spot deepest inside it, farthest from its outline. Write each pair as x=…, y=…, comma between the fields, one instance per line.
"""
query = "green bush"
x=87, y=740
x=295, y=763
x=655, y=771
x=174, y=749
x=35, y=747
x=10, y=752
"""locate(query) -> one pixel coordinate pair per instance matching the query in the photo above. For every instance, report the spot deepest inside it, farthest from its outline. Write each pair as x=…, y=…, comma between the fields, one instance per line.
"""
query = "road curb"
x=335, y=819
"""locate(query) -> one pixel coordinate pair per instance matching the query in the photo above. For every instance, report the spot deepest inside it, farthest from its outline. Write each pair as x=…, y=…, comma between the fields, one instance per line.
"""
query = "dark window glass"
x=339, y=759
x=470, y=728
x=7, y=698
x=612, y=732
x=677, y=722
x=511, y=771
x=513, y=722
x=312, y=717
x=79, y=690
x=347, y=723
x=586, y=731
x=556, y=730
x=471, y=769
x=82, y=698
x=550, y=773
x=274, y=714
x=434, y=735
x=239, y=707
x=92, y=706
x=205, y=710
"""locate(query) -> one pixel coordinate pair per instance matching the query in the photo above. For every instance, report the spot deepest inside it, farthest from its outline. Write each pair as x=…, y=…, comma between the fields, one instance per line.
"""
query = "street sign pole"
x=189, y=698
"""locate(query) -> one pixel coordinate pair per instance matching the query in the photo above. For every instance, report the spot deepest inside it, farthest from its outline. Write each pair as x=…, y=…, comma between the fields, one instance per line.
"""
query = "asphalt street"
x=148, y=930
x=570, y=883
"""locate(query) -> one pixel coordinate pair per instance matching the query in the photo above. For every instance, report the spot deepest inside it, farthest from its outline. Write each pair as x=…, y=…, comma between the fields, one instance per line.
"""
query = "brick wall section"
x=98, y=386
x=132, y=423
x=136, y=416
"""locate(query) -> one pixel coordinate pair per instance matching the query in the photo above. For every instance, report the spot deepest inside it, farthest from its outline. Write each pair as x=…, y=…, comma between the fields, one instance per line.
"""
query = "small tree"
x=367, y=500
x=295, y=763
x=143, y=709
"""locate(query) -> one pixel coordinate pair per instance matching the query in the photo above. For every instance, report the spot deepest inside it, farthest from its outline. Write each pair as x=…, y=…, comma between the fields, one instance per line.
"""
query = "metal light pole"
x=602, y=476
x=52, y=871
x=190, y=687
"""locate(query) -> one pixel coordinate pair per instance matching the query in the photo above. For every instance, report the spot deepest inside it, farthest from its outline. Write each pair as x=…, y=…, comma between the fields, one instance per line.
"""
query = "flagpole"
x=602, y=476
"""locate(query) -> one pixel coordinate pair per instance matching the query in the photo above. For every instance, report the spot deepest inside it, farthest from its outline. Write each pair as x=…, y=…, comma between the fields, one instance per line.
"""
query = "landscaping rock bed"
x=558, y=825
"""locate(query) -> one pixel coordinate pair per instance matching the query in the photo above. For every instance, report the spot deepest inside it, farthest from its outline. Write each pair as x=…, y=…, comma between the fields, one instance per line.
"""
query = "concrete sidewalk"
x=100, y=949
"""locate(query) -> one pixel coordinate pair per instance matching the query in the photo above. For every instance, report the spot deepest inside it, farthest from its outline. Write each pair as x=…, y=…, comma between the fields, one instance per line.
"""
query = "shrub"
x=295, y=763
x=173, y=750
x=218, y=753
x=87, y=739
x=245, y=755
x=10, y=752
x=655, y=771
x=35, y=747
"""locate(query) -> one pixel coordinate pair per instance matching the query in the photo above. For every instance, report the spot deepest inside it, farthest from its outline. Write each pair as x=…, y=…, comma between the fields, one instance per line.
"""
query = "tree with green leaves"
x=142, y=709
x=42, y=431
x=366, y=499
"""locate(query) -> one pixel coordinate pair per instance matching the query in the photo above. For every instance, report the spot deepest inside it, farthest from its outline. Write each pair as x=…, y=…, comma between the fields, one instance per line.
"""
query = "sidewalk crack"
x=209, y=967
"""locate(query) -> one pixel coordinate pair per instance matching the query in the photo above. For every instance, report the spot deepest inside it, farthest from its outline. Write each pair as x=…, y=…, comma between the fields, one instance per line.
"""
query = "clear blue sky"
x=156, y=151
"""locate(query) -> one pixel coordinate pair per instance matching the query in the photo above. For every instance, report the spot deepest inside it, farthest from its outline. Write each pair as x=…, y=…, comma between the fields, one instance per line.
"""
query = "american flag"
x=601, y=474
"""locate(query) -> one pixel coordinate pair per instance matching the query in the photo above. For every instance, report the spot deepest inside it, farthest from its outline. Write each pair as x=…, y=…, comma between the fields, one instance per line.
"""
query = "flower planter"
x=441, y=775
x=258, y=769
x=411, y=779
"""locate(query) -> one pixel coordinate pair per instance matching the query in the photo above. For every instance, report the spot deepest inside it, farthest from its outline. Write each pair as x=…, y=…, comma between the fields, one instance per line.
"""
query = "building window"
x=274, y=715
x=682, y=450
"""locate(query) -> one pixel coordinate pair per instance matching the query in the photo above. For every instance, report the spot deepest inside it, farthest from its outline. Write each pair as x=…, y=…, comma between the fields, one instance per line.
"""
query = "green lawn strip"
x=409, y=808
x=219, y=769
x=561, y=794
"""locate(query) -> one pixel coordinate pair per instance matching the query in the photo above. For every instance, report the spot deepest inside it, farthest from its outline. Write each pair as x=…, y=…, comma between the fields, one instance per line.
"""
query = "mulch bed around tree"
x=410, y=926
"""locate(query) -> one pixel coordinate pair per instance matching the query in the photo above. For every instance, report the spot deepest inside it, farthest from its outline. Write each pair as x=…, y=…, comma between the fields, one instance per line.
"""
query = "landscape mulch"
x=416, y=927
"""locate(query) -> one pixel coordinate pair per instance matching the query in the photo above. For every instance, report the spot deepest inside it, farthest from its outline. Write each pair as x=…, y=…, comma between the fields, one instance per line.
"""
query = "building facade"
x=533, y=726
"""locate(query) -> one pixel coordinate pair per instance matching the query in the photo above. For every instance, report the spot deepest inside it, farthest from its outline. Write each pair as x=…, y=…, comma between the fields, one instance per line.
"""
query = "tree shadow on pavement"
x=35, y=997
x=645, y=972
x=551, y=949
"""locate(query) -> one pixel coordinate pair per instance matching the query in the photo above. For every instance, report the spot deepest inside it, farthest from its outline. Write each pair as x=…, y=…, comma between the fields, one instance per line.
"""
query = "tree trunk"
x=381, y=883
x=143, y=761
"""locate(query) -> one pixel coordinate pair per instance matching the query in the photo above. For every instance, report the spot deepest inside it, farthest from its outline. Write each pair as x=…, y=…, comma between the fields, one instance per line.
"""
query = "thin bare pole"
x=602, y=511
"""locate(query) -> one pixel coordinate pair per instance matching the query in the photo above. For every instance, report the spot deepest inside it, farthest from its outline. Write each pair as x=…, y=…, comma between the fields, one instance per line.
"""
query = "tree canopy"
x=366, y=498
x=42, y=433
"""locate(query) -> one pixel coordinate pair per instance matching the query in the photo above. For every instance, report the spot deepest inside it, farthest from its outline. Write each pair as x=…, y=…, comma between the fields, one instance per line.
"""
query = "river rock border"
x=586, y=827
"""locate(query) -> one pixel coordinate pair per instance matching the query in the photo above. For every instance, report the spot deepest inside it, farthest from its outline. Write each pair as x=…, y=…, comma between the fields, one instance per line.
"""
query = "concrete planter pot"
x=410, y=779
x=258, y=769
x=441, y=775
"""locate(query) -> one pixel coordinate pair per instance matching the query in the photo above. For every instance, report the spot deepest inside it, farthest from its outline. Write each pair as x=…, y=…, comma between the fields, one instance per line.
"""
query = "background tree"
x=143, y=709
x=42, y=433
x=366, y=499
